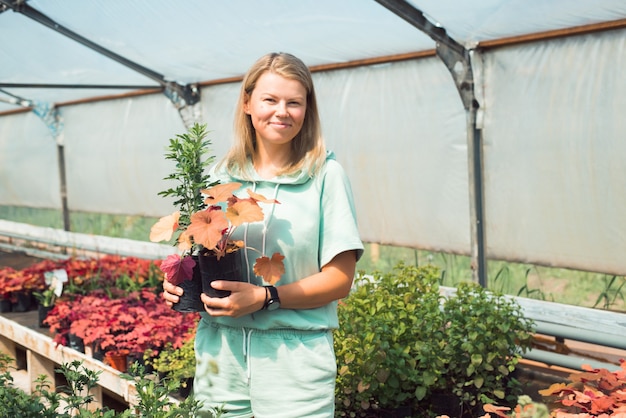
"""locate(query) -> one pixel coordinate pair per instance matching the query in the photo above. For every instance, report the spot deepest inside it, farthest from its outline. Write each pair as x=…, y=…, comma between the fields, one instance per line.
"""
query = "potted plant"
x=177, y=363
x=401, y=346
x=137, y=323
x=486, y=334
x=188, y=152
x=525, y=408
x=205, y=221
x=48, y=296
x=388, y=343
x=590, y=393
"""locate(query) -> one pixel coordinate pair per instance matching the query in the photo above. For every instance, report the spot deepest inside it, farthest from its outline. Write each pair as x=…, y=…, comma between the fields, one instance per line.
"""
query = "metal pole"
x=458, y=61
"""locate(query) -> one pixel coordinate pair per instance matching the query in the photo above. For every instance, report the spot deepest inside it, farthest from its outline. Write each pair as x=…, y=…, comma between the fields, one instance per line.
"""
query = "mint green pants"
x=265, y=374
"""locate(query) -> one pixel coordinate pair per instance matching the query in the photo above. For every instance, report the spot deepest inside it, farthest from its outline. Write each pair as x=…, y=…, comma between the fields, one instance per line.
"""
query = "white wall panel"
x=29, y=172
x=114, y=154
x=399, y=130
x=555, y=142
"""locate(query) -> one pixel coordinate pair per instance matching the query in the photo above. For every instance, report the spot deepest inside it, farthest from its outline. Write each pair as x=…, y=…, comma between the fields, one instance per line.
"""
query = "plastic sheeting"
x=198, y=40
x=554, y=152
x=551, y=118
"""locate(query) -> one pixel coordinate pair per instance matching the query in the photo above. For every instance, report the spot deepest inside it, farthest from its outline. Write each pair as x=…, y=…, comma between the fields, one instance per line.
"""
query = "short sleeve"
x=338, y=227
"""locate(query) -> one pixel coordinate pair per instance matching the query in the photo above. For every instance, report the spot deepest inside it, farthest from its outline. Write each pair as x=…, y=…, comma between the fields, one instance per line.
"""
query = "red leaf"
x=176, y=269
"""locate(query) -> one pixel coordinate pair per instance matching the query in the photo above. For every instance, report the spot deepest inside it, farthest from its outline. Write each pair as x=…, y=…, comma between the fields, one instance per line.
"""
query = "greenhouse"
x=484, y=137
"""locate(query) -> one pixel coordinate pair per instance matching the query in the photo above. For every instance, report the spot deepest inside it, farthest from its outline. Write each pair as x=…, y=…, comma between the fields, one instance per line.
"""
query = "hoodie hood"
x=298, y=177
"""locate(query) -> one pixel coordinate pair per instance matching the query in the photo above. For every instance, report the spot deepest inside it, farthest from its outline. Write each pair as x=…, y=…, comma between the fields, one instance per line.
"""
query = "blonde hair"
x=308, y=151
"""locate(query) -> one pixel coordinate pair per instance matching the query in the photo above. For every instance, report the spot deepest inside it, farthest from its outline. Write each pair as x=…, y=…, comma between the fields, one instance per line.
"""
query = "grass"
x=573, y=287
x=120, y=226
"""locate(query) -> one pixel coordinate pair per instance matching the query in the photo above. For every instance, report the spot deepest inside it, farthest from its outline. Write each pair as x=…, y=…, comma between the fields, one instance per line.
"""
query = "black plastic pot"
x=42, y=312
x=23, y=302
x=190, y=300
x=6, y=305
x=75, y=342
x=187, y=389
x=212, y=269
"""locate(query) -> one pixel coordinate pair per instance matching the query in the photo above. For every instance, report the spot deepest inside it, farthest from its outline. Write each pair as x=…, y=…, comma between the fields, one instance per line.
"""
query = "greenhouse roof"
x=59, y=51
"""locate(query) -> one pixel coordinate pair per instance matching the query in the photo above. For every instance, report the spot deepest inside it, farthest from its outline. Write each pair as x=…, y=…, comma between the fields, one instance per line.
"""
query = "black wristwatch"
x=273, y=302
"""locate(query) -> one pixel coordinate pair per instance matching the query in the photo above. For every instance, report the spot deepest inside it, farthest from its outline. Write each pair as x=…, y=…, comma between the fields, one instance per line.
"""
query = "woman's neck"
x=269, y=164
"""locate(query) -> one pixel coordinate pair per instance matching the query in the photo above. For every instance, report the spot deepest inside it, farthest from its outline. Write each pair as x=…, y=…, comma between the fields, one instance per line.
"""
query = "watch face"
x=272, y=304
x=274, y=301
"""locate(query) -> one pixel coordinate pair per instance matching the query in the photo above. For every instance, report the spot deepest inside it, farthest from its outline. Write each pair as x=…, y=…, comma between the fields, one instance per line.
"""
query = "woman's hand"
x=171, y=293
x=245, y=298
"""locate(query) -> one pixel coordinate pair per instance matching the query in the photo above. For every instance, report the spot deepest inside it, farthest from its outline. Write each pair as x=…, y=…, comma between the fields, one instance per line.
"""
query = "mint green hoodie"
x=314, y=222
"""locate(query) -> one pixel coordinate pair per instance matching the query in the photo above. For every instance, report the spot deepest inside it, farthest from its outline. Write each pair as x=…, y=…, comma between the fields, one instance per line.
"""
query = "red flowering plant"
x=208, y=213
x=137, y=322
x=26, y=281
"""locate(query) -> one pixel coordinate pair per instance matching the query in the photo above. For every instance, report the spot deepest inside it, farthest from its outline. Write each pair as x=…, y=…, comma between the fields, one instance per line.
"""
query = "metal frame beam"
x=458, y=61
x=174, y=91
x=78, y=86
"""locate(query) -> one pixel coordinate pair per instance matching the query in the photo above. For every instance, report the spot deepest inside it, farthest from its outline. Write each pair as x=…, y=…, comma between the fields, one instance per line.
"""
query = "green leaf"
x=476, y=359
x=420, y=392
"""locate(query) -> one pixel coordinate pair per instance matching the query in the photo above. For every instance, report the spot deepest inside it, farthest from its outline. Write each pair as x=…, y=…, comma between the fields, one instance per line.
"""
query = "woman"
x=273, y=345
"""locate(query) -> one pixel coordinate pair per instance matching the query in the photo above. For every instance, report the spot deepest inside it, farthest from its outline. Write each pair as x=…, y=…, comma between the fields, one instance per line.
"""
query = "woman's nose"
x=282, y=110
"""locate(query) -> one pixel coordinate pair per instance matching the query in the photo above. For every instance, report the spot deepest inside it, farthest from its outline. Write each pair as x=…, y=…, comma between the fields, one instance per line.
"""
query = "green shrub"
x=400, y=343
x=176, y=364
x=153, y=400
x=389, y=341
x=486, y=335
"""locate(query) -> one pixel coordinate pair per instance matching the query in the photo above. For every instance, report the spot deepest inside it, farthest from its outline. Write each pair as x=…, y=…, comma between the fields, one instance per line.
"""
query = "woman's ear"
x=246, y=104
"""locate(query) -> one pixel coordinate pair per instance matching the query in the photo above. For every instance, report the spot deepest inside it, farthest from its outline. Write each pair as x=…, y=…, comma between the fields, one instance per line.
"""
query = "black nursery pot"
x=6, y=305
x=23, y=302
x=212, y=269
x=42, y=314
x=76, y=343
x=190, y=300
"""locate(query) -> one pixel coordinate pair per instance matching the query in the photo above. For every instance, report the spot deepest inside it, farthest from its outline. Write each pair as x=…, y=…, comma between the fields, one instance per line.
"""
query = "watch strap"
x=273, y=299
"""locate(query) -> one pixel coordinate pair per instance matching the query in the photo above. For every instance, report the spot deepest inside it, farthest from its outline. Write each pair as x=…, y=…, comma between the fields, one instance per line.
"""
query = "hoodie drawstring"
x=268, y=217
x=265, y=226
x=246, y=349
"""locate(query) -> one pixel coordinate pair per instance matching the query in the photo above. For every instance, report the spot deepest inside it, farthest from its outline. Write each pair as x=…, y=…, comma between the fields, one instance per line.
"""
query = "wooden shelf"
x=20, y=332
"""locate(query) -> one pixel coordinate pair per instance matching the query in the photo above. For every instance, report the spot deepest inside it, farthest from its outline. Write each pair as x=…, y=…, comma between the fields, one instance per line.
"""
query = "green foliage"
x=45, y=297
x=153, y=397
x=187, y=151
x=176, y=364
x=14, y=402
x=153, y=400
x=486, y=334
x=78, y=391
x=572, y=287
x=400, y=342
x=389, y=341
x=613, y=286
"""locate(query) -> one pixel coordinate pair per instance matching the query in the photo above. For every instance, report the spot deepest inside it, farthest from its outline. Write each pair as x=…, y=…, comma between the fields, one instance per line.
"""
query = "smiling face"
x=276, y=107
